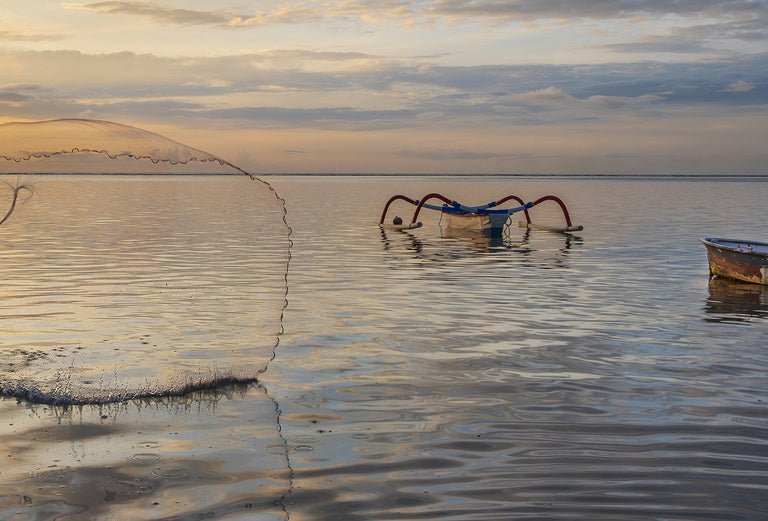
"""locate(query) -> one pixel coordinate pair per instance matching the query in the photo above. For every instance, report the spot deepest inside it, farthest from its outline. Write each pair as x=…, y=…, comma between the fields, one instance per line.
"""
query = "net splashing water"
x=119, y=287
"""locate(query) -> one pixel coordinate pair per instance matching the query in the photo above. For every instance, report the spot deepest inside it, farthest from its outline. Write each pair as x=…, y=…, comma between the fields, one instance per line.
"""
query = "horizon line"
x=389, y=174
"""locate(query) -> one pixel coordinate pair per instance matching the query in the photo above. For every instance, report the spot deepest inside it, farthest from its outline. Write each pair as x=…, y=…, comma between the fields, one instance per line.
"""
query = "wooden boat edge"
x=726, y=259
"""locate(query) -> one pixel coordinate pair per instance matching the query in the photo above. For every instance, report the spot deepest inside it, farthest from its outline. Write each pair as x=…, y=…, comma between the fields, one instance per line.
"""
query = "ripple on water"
x=536, y=377
x=144, y=458
x=170, y=472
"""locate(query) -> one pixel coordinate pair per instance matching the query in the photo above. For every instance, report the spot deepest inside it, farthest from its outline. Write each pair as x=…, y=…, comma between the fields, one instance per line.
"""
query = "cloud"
x=17, y=93
x=700, y=38
x=13, y=36
x=730, y=24
x=347, y=118
x=309, y=55
x=552, y=96
x=279, y=13
x=615, y=102
x=740, y=86
x=13, y=97
x=459, y=155
x=741, y=17
x=748, y=27
x=295, y=13
x=660, y=45
x=284, y=88
x=547, y=96
x=471, y=84
x=154, y=12
x=591, y=9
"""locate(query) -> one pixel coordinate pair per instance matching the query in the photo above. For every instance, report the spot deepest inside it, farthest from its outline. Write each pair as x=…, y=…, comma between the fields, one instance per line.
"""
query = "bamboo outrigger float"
x=487, y=218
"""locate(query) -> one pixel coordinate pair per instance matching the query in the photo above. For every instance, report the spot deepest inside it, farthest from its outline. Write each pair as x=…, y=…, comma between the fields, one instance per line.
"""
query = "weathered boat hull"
x=486, y=223
x=737, y=259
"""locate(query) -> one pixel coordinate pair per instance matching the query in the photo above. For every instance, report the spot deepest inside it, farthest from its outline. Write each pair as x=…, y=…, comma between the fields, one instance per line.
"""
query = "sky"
x=392, y=86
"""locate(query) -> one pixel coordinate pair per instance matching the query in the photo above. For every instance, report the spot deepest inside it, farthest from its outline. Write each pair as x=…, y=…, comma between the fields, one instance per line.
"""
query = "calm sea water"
x=599, y=375
x=140, y=284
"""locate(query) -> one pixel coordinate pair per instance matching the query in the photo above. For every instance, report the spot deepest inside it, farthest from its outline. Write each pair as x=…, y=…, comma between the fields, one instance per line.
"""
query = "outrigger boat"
x=487, y=218
x=737, y=259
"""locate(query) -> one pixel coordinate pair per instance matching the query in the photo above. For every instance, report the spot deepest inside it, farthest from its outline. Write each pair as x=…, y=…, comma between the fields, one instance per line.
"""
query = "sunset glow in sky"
x=387, y=86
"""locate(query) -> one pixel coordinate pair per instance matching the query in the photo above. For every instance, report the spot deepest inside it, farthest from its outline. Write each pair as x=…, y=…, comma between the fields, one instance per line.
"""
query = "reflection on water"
x=206, y=455
x=123, y=286
x=458, y=244
x=734, y=301
x=429, y=377
x=536, y=377
x=136, y=314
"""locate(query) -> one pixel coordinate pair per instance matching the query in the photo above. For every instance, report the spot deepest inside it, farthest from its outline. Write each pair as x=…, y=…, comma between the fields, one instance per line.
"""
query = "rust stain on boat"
x=737, y=259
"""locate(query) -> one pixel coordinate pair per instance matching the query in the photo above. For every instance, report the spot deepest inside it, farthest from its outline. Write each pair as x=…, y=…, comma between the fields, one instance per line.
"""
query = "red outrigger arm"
x=392, y=200
x=569, y=225
x=424, y=200
x=517, y=199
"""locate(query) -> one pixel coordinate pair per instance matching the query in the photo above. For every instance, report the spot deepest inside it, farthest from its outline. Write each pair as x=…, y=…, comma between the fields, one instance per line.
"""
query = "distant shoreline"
x=702, y=176
x=404, y=175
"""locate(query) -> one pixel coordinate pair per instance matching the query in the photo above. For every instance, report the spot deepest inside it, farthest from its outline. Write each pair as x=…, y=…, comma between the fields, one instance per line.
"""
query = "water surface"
x=119, y=286
x=541, y=376
x=599, y=375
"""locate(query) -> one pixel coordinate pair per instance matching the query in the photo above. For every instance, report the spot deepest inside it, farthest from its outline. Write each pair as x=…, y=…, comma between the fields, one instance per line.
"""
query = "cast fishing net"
x=132, y=265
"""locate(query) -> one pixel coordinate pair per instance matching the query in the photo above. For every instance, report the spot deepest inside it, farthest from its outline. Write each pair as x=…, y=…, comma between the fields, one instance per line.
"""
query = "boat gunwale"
x=732, y=245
